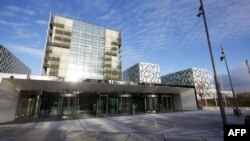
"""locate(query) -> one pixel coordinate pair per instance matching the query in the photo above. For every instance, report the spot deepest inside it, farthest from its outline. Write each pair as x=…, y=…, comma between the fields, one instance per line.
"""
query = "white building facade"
x=143, y=73
x=197, y=77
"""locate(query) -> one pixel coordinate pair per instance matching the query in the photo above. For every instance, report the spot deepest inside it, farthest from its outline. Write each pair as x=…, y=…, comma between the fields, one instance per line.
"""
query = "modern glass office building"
x=78, y=50
x=10, y=64
x=81, y=78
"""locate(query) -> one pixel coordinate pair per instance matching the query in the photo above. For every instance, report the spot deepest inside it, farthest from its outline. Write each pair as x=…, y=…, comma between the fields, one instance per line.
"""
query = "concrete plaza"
x=187, y=126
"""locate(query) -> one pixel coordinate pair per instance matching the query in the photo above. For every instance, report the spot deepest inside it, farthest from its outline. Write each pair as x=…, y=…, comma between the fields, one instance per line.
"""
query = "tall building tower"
x=77, y=50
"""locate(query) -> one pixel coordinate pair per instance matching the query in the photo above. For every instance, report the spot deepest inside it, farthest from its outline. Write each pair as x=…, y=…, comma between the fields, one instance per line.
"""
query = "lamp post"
x=248, y=66
x=222, y=110
x=223, y=57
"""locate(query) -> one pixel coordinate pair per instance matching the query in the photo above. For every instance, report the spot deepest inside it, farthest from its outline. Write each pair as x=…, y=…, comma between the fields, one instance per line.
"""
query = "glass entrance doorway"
x=68, y=106
x=112, y=106
x=124, y=104
x=151, y=103
x=167, y=103
x=27, y=107
x=103, y=104
x=28, y=104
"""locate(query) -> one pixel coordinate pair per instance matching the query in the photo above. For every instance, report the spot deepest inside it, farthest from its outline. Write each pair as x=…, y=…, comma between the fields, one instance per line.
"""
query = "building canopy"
x=57, y=86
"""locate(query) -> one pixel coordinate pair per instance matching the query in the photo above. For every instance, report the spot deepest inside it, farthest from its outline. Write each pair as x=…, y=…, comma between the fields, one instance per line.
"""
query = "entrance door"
x=28, y=106
x=151, y=103
x=167, y=103
x=68, y=104
x=103, y=104
x=112, y=106
x=125, y=105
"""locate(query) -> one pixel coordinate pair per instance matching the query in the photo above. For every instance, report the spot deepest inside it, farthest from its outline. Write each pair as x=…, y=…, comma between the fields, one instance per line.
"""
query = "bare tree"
x=201, y=92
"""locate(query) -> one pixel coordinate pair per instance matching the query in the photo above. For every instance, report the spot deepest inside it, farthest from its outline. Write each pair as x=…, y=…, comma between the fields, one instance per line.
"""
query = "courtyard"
x=188, y=126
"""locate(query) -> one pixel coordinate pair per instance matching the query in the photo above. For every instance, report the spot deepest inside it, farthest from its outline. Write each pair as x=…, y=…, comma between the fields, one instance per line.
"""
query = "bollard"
x=237, y=112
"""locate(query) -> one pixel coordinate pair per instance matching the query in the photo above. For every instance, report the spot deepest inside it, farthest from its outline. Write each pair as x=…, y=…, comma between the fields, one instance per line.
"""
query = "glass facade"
x=10, y=64
x=83, y=104
x=87, y=51
x=77, y=50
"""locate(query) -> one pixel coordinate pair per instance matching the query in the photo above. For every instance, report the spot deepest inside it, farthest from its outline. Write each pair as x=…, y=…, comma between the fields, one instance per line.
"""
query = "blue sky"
x=165, y=32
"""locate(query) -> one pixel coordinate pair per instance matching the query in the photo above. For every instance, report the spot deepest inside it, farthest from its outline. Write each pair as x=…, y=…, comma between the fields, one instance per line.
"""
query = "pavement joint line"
x=203, y=138
x=128, y=136
x=34, y=125
x=82, y=125
x=164, y=138
x=71, y=136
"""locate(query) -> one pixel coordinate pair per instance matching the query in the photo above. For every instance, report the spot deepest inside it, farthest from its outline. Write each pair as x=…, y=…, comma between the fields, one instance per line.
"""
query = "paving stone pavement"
x=176, y=126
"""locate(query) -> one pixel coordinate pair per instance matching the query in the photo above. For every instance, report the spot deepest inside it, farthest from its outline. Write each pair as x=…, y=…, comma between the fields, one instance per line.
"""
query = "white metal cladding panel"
x=184, y=77
x=197, y=77
x=143, y=73
x=149, y=73
x=203, y=82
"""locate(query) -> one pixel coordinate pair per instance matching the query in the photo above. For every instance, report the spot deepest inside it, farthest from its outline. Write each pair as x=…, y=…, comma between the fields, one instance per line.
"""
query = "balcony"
x=58, y=31
x=107, y=71
x=58, y=24
x=53, y=73
x=63, y=32
x=68, y=33
x=114, y=48
x=53, y=66
x=61, y=38
x=107, y=65
x=115, y=72
x=48, y=50
x=54, y=58
x=115, y=43
x=62, y=44
x=111, y=53
x=107, y=59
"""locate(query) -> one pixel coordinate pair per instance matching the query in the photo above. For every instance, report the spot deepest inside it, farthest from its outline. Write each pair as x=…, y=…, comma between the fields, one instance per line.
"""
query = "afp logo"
x=236, y=132
x=233, y=132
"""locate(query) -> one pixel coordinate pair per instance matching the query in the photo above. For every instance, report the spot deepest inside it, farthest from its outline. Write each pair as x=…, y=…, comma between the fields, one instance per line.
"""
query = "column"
x=37, y=105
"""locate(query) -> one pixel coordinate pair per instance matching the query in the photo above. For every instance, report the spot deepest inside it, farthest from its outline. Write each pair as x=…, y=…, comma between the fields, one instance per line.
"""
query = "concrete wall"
x=188, y=100
x=8, y=102
x=177, y=102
